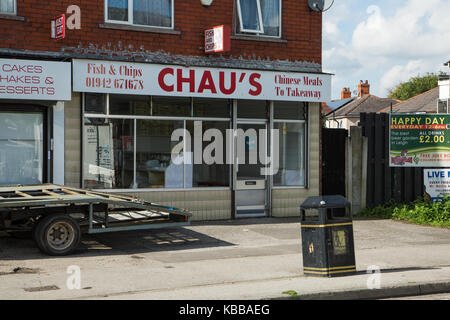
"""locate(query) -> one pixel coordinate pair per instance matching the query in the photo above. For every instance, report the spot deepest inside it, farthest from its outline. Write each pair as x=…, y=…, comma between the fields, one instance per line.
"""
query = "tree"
x=414, y=86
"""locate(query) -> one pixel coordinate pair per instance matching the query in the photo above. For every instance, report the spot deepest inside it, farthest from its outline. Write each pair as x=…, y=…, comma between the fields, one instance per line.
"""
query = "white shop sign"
x=35, y=80
x=437, y=183
x=166, y=80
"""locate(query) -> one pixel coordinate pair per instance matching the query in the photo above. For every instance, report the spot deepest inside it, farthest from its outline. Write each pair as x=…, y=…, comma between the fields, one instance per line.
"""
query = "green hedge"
x=420, y=212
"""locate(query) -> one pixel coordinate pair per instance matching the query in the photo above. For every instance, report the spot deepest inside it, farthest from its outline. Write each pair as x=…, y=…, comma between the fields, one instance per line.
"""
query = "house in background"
x=346, y=97
x=348, y=112
x=423, y=103
x=435, y=100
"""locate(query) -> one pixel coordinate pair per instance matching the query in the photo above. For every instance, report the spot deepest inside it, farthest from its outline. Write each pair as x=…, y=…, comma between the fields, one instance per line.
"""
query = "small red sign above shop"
x=59, y=27
x=217, y=39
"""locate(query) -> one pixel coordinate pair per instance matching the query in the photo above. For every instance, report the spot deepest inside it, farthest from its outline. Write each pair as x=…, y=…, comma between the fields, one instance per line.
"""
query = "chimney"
x=363, y=88
x=346, y=93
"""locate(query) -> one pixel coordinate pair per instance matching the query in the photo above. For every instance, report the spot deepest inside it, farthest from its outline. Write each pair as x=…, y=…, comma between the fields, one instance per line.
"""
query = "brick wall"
x=301, y=30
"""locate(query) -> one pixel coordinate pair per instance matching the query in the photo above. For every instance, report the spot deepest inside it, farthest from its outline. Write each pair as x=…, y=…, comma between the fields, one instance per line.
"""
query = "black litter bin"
x=327, y=237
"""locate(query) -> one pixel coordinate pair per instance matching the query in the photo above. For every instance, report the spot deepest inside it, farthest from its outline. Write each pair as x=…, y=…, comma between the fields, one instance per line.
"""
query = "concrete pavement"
x=247, y=259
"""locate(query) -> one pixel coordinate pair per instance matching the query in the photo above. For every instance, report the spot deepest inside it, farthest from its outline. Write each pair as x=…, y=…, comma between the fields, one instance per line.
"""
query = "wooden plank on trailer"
x=23, y=194
x=79, y=196
x=97, y=193
x=70, y=192
x=50, y=187
x=107, y=196
x=48, y=201
x=29, y=188
x=51, y=193
x=24, y=200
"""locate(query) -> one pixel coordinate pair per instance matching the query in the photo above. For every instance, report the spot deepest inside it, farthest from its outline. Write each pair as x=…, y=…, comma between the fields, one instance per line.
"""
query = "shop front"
x=222, y=143
x=32, y=95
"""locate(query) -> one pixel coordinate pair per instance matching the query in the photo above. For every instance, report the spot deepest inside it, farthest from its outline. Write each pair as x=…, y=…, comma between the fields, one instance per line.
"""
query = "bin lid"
x=325, y=202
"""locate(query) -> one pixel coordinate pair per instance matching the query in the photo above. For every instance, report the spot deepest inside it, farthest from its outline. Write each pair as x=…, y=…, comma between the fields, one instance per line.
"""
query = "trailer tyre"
x=57, y=235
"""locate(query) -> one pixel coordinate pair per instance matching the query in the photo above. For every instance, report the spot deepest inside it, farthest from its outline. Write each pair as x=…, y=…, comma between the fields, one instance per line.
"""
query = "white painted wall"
x=342, y=123
x=444, y=89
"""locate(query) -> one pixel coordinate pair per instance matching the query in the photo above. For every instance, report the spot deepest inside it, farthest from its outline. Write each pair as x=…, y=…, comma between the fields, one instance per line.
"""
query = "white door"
x=251, y=185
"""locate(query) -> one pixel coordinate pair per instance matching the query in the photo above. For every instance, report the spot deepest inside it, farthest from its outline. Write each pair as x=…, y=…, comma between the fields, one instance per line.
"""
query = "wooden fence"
x=384, y=183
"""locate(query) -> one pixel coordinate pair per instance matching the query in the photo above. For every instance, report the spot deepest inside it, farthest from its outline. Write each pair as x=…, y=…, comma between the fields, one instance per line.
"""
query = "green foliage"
x=383, y=212
x=414, y=86
x=292, y=293
x=419, y=212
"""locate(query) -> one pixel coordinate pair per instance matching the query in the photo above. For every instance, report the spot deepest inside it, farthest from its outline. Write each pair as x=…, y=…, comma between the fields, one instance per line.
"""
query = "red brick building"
x=298, y=38
x=98, y=108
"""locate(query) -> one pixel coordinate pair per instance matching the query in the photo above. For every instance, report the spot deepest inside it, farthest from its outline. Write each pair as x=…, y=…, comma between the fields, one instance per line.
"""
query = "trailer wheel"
x=57, y=234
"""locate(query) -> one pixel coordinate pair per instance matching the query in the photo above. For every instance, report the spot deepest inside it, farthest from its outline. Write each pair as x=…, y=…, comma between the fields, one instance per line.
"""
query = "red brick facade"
x=300, y=40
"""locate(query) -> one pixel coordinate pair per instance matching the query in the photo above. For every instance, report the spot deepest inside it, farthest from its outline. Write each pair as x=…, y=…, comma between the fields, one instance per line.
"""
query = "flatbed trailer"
x=57, y=215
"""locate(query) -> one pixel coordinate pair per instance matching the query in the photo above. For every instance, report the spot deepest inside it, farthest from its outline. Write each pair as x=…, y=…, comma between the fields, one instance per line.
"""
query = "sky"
x=384, y=41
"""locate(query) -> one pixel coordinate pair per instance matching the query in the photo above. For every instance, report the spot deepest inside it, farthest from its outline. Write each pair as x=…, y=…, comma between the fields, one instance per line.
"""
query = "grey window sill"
x=118, y=26
x=258, y=38
x=11, y=17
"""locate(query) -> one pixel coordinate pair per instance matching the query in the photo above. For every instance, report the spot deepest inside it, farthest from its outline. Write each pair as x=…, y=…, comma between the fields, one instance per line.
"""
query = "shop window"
x=7, y=6
x=259, y=17
x=154, y=165
x=287, y=110
x=212, y=169
x=95, y=103
x=136, y=152
x=212, y=108
x=292, y=154
x=154, y=13
x=252, y=109
x=108, y=153
x=129, y=105
x=21, y=148
x=171, y=106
